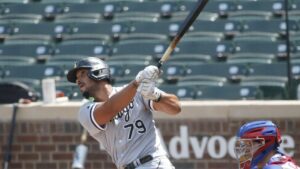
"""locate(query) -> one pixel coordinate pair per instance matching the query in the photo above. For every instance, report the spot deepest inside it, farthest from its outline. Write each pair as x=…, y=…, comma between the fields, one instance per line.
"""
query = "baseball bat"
x=183, y=28
x=80, y=152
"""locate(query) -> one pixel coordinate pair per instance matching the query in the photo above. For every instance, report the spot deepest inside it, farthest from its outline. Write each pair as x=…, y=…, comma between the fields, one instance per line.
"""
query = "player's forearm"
x=110, y=108
x=168, y=103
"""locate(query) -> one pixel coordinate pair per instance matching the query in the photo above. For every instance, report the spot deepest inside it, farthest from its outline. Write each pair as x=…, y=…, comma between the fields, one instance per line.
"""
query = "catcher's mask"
x=255, y=140
x=98, y=69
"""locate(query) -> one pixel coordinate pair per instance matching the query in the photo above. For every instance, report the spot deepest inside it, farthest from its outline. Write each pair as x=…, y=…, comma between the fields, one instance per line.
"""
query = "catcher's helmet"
x=98, y=69
x=264, y=136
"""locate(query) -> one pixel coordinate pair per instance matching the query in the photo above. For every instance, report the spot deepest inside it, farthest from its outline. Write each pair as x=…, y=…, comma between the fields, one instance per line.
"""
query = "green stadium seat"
x=172, y=72
x=102, y=31
x=137, y=59
x=63, y=1
x=217, y=50
x=155, y=48
x=36, y=71
x=41, y=33
x=182, y=92
x=272, y=8
x=262, y=47
x=220, y=29
x=30, y=11
x=105, y=10
x=5, y=30
x=232, y=72
x=40, y=51
x=130, y=71
x=231, y=92
x=222, y=8
x=82, y=48
x=270, y=78
x=250, y=58
x=272, y=28
x=12, y=60
x=14, y=1
x=147, y=30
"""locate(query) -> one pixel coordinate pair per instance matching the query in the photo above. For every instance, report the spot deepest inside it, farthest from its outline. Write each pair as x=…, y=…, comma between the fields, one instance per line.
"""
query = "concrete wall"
x=200, y=137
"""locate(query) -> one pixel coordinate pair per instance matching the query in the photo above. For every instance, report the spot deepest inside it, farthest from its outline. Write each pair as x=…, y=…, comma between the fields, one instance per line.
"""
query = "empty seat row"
x=201, y=50
x=120, y=10
x=165, y=30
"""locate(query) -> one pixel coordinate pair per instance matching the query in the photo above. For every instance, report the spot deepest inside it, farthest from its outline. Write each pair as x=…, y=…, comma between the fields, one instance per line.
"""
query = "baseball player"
x=120, y=118
x=257, y=147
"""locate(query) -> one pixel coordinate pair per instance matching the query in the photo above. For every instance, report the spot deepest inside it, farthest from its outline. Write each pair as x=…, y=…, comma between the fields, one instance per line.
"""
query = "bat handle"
x=159, y=64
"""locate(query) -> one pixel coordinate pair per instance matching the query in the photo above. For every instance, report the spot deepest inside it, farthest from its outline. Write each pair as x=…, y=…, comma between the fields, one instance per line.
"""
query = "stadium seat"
x=182, y=92
x=251, y=58
x=129, y=59
x=228, y=92
x=69, y=90
x=33, y=12
x=82, y=48
x=130, y=71
x=219, y=29
x=263, y=47
x=104, y=10
x=147, y=30
x=144, y=11
x=272, y=28
x=41, y=33
x=5, y=30
x=232, y=72
x=184, y=7
x=36, y=71
x=222, y=8
x=217, y=50
x=14, y=1
x=154, y=48
x=63, y=1
x=102, y=31
x=172, y=72
x=12, y=60
x=270, y=78
x=40, y=51
x=272, y=8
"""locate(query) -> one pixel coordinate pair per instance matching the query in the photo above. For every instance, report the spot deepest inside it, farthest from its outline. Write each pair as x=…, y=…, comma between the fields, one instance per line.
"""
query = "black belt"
x=139, y=162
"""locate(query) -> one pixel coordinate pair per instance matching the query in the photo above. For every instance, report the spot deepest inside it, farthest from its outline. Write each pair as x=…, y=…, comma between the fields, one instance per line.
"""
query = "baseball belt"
x=139, y=162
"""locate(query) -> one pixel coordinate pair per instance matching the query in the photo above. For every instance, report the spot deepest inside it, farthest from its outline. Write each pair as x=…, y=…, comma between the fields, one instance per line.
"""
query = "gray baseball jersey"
x=130, y=135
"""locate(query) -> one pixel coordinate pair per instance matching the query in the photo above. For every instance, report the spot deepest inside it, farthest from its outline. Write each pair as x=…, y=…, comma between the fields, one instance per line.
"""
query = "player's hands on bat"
x=150, y=72
x=149, y=91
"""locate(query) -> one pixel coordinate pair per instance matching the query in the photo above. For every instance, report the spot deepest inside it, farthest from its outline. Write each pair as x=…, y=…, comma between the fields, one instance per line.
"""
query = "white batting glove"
x=150, y=72
x=149, y=91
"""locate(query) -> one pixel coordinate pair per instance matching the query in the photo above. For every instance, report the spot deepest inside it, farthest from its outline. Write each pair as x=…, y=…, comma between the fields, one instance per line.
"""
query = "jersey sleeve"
x=87, y=120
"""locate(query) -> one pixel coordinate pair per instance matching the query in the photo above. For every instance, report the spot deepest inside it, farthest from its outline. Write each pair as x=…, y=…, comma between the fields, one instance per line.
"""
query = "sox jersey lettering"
x=130, y=135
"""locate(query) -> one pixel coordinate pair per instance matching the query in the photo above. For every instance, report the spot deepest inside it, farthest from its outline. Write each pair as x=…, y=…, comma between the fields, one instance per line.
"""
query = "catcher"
x=257, y=147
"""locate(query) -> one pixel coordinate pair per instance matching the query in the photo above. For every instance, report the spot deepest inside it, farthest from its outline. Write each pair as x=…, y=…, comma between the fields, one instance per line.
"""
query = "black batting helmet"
x=98, y=69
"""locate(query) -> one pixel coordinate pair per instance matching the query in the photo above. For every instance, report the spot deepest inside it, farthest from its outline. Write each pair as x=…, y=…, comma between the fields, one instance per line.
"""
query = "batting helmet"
x=98, y=69
x=264, y=137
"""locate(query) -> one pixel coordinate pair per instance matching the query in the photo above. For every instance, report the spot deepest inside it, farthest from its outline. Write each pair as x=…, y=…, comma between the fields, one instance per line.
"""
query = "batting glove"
x=149, y=91
x=150, y=72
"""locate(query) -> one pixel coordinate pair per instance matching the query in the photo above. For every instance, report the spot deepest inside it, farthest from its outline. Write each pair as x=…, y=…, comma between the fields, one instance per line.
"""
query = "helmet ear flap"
x=278, y=137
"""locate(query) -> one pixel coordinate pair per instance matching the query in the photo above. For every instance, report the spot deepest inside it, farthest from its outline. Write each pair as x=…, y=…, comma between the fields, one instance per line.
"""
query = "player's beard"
x=86, y=94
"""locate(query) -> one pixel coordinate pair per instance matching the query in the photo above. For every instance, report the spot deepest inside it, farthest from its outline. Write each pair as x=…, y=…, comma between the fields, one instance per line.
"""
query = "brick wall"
x=50, y=144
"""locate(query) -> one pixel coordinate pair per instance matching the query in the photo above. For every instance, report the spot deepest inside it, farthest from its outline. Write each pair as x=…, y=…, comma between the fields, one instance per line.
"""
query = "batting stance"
x=257, y=147
x=120, y=118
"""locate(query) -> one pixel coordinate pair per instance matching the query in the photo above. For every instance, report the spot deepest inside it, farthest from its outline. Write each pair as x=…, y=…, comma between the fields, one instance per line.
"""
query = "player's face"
x=84, y=83
x=244, y=150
